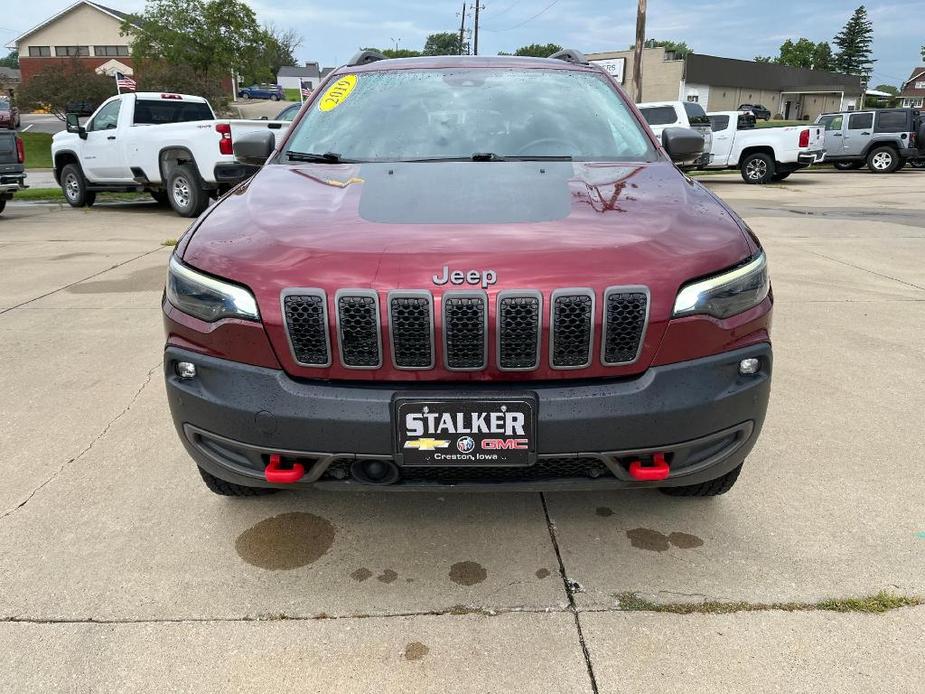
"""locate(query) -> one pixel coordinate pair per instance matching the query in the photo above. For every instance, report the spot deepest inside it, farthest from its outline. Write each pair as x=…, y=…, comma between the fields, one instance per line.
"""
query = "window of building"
x=39, y=51
x=72, y=50
x=920, y=85
x=110, y=50
x=860, y=121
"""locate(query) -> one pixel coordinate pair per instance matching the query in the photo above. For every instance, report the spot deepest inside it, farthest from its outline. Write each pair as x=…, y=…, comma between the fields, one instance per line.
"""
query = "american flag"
x=125, y=83
x=306, y=90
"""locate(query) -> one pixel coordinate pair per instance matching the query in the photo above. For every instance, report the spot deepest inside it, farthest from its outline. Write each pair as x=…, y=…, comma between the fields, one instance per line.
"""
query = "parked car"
x=540, y=302
x=168, y=144
x=289, y=113
x=763, y=155
x=684, y=114
x=760, y=112
x=883, y=139
x=12, y=166
x=9, y=114
x=273, y=92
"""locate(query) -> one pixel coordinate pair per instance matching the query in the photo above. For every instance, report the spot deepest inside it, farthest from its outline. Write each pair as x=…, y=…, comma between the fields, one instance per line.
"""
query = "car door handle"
x=836, y=135
x=865, y=133
x=111, y=137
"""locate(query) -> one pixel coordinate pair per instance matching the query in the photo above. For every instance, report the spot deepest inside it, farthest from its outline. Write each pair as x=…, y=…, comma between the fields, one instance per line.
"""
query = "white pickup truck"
x=763, y=155
x=168, y=144
x=680, y=114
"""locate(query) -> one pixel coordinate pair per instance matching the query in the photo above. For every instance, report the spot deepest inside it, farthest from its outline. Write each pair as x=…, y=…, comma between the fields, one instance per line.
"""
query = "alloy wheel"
x=882, y=161
x=756, y=169
x=181, y=192
x=71, y=187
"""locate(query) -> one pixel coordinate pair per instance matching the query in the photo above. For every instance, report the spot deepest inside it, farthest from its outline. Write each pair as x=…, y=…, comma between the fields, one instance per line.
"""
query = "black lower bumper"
x=702, y=414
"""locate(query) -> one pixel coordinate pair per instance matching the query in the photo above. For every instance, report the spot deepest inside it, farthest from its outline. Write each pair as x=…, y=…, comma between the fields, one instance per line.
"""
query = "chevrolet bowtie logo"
x=427, y=444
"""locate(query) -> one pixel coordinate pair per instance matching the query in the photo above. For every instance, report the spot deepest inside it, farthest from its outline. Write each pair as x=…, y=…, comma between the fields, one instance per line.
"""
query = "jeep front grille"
x=413, y=331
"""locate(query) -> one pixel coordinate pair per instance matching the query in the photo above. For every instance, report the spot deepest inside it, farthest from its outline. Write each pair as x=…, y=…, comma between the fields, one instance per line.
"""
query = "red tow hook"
x=656, y=470
x=277, y=474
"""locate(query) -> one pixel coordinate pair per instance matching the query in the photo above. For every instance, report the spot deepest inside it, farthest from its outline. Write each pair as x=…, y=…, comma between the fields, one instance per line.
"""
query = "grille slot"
x=306, y=314
x=572, y=328
x=358, y=329
x=411, y=324
x=465, y=330
x=519, y=330
x=543, y=469
x=626, y=312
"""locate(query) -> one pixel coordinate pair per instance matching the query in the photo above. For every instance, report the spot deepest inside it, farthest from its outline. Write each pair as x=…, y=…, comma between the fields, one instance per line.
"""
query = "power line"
x=528, y=19
x=505, y=10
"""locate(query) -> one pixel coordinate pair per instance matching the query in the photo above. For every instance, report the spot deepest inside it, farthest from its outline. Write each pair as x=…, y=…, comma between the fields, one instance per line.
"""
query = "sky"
x=333, y=30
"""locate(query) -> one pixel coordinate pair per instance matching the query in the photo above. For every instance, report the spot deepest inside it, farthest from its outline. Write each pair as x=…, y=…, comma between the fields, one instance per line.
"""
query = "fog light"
x=749, y=366
x=186, y=370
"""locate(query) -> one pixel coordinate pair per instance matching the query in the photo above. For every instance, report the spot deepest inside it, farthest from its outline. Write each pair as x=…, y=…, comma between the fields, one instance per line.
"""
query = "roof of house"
x=731, y=72
x=310, y=70
x=909, y=89
x=116, y=14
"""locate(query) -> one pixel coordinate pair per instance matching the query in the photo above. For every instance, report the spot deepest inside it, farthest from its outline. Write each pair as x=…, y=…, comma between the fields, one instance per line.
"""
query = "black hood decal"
x=465, y=192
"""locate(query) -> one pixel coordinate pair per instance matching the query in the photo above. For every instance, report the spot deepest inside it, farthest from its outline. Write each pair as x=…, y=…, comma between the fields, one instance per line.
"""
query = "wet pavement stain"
x=542, y=573
x=654, y=541
x=387, y=576
x=361, y=574
x=416, y=650
x=148, y=280
x=287, y=541
x=467, y=573
x=684, y=540
x=603, y=511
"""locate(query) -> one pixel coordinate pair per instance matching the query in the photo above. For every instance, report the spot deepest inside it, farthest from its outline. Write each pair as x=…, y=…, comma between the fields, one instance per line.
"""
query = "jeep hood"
x=539, y=225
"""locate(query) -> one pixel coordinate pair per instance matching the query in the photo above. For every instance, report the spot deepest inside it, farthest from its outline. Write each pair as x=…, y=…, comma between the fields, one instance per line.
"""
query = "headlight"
x=727, y=294
x=207, y=298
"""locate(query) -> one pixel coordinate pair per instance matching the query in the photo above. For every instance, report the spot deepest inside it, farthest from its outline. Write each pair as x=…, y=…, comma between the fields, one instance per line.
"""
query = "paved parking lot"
x=121, y=571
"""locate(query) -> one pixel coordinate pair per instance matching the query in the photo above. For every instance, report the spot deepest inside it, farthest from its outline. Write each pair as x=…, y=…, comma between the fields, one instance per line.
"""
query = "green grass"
x=38, y=150
x=879, y=603
x=56, y=195
x=780, y=123
x=291, y=95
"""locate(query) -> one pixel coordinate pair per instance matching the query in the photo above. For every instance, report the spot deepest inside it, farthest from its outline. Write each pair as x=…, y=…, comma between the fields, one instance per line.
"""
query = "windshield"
x=4, y=105
x=455, y=113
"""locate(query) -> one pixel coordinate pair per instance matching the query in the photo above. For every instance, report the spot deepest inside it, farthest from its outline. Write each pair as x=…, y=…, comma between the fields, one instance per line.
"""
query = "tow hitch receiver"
x=656, y=470
x=279, y=472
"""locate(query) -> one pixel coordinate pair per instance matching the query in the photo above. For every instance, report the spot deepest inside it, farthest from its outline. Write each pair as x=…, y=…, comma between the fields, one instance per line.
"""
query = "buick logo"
x=466, y=444
x=486, y=278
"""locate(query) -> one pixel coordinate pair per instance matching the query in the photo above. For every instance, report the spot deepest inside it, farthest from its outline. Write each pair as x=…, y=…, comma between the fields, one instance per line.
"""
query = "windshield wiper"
x=491, y=156
x=538, y=157
x=486, y=156
x=326, y=158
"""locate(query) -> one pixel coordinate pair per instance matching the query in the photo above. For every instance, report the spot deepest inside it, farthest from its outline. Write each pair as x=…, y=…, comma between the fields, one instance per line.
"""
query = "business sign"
x=615, y=66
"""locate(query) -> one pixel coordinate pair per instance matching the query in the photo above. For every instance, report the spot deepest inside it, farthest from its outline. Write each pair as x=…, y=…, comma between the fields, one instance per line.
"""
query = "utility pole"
x=475, y=39
x=637, y=53
x=462, y=28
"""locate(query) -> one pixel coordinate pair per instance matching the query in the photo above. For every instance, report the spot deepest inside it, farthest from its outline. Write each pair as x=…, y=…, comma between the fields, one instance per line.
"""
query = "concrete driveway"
x=121, y=571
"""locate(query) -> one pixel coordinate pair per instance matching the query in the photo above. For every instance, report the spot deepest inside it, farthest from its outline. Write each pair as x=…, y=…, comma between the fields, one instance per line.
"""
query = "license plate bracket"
x=446, y=431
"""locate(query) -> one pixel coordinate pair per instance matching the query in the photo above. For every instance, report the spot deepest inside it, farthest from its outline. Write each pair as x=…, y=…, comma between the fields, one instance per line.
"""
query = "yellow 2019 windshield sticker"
x=337, y=93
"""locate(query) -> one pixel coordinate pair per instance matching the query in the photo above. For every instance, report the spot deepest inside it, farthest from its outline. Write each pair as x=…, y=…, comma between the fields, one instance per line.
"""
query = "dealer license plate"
x=464, y=432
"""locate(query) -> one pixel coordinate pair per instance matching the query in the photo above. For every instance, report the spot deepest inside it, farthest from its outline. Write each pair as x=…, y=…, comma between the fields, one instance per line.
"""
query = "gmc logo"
x=505, y=444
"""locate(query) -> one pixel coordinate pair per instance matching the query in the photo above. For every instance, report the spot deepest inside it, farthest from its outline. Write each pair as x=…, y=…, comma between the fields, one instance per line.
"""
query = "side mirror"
x=73, y=125
x=254, y=148
x=682, y=144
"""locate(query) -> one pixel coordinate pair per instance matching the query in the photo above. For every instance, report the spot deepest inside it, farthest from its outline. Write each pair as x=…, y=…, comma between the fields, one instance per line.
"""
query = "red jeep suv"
x=468, y=273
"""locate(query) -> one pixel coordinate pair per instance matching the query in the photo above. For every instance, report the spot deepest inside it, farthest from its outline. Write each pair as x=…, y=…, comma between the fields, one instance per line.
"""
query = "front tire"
x=223, y=488
x=160, y=197
x=720, y=485
x=187, y=198
x=274, y=98
x=757, y=169
x=2, y=205
x=74, y=186
x=848, y=165
x=883, y=160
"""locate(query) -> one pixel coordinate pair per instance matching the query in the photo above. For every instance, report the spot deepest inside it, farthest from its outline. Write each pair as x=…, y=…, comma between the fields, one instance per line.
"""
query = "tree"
x=822, y=57
x=538, y=50
x=446, y=43
x=854, y=46
x=679, y=48
x=763, y=59
x=204, y=35
x=61, y=84
x=394, y=52
x=160, y=76
x=11, y=60
x=888, y=88
x=799, y=54
x=276, y=49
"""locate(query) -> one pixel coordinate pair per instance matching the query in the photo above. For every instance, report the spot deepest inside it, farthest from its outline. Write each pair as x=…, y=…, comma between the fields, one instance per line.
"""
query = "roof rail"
x=570, y=55
x=365, y=58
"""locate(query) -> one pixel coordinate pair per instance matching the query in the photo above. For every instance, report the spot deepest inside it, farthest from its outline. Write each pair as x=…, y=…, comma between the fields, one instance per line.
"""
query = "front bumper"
x=702, y=414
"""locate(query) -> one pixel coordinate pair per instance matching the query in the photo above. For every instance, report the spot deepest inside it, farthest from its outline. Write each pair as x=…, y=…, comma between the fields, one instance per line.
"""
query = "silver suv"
x=883, y=139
